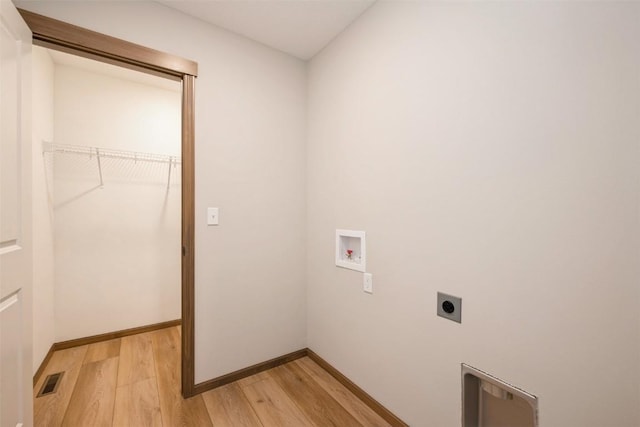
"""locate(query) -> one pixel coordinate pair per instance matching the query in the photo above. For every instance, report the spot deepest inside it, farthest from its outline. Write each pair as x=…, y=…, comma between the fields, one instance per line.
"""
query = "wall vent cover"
x=51, y=384
x=490, y=402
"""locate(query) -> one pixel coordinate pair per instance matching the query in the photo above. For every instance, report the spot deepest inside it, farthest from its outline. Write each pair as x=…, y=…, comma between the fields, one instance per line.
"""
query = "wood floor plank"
x=102, y=350
x=176, y=411
x=228, y=407
x=312, y=399
x=94, y=395
x=49, y=410
x=253, y=378
x=361, y=412
x=273, y=406
x=137, y=404
x=136, y=359
x=135, y=381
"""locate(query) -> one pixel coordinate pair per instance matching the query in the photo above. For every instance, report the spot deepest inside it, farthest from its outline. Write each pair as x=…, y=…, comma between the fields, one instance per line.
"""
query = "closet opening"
x=101, y=173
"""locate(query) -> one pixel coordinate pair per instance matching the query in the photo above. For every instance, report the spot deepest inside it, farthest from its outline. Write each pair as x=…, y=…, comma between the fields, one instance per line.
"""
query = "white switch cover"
x=212, y=216
x=368, y=283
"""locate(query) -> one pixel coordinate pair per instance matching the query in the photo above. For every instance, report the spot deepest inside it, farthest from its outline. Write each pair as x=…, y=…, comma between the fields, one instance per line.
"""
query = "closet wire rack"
x=105, y=153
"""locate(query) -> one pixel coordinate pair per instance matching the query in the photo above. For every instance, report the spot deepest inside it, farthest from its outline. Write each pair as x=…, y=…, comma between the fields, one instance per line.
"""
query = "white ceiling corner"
x=298, y=27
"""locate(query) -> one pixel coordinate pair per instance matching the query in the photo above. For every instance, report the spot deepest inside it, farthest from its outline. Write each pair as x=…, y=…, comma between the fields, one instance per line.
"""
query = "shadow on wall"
x=84, y=174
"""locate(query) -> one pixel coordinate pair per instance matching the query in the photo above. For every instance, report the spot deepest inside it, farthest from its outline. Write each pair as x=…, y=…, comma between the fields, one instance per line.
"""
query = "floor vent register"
x=51, y=384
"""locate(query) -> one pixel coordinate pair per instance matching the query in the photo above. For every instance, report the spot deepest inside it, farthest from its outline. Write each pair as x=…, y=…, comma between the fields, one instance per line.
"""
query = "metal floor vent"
x=51, y=384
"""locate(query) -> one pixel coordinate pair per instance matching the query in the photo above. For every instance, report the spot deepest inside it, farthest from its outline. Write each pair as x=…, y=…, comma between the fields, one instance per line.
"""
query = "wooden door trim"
x=188, y=232
x=78, y=39
x=60, y=35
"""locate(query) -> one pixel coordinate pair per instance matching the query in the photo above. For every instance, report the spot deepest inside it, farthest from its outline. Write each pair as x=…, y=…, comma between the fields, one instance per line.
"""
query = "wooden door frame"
x=59, y=35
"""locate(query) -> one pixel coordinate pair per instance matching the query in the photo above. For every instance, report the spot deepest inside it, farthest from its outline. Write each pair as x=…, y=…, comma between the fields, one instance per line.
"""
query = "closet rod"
x=50, y=147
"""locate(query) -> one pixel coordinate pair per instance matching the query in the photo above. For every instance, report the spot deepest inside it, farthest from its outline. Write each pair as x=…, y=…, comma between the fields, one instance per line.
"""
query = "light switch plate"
x=213, y=216
x=449, y=307
x=367, y=283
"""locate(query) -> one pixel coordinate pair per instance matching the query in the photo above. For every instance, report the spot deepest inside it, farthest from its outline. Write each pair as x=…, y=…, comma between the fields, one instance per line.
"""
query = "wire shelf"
x=105, y=153
x=50, y=147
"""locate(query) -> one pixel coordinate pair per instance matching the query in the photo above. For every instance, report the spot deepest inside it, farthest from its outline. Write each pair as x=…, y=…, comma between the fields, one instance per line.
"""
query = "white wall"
x=43, y=267
x=117, y=248
x=250, y=161
x=490, y=151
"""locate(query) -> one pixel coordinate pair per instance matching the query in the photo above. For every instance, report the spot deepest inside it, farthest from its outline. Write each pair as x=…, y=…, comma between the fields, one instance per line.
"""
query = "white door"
x=16, y=406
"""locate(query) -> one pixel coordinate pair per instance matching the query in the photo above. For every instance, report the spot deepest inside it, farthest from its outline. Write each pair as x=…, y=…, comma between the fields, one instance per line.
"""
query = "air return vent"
x=51, y=384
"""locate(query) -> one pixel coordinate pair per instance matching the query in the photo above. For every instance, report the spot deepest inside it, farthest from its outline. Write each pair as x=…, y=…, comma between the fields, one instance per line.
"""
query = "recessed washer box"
x=351, y=250
x=449, y=307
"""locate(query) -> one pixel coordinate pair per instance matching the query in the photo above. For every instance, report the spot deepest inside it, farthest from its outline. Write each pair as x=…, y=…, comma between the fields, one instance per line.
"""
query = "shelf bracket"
x=169, y=176
x=99, y=167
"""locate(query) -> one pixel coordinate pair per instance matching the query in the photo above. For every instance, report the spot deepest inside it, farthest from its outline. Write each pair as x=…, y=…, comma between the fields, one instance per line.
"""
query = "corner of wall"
x=43, y=239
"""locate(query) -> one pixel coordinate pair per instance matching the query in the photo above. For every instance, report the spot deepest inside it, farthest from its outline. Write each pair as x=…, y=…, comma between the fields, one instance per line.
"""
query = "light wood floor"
x=135, y=381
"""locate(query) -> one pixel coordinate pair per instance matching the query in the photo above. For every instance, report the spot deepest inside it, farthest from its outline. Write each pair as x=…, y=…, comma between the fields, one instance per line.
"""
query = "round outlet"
x=448, y=307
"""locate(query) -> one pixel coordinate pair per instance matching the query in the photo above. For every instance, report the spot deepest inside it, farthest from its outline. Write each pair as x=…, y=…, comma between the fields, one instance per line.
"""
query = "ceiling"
x=298, y=27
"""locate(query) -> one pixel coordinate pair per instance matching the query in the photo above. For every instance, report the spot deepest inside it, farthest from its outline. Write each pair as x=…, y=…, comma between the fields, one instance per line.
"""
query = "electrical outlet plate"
x=367, y=283
x=449, y=307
